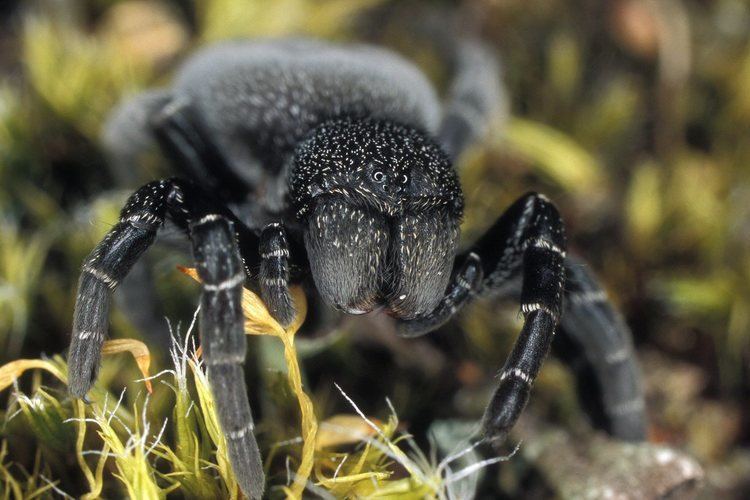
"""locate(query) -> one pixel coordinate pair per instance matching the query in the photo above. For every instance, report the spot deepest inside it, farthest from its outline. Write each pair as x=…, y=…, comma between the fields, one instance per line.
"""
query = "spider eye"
x=378, y=176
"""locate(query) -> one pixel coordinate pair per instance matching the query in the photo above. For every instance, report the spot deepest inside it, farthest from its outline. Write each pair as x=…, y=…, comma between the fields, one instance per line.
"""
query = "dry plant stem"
x=259, y=322
x=139, y=351
x=95, y=479
x=13, y=370
x=309, y=423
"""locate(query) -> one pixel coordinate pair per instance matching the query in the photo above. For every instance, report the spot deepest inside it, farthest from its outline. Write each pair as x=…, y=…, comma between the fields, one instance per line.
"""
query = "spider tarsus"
x=228, y=386
x=90, y=324
x=79, y=386
x=82, y=369
x=274, y=273
x=284, y=313
x=279, y=302
x=506, y=406
x=248, y=468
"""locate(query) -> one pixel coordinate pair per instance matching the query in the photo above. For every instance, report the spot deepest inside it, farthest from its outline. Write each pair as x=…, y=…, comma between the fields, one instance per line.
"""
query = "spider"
x=307, y=161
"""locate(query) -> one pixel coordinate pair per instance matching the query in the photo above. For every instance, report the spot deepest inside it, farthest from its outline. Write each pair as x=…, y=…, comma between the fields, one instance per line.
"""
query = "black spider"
x=307, y=161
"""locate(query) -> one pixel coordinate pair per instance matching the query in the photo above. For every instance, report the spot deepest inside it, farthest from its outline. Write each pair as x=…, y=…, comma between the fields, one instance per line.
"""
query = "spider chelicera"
x=302, y=160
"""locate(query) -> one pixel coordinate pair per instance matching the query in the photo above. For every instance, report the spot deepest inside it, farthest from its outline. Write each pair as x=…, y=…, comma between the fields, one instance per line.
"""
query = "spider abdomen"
x=260, y=97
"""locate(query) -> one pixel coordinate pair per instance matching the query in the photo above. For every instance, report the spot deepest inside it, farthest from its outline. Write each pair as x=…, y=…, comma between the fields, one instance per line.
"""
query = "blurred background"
x=632, y=115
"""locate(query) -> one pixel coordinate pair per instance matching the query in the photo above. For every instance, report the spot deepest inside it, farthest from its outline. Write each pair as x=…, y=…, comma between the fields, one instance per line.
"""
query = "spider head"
x=381, y=206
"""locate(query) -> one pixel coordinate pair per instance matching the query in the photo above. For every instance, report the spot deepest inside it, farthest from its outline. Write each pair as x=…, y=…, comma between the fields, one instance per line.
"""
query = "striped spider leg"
x=528, y=239
x=558, y=292
x=217, y=237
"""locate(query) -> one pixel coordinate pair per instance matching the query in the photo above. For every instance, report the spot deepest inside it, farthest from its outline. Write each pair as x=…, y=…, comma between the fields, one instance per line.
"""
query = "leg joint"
x=546, y=244
x=206, y=219
x=527, y=309
x=102, y=276
x=227, y=284
x=516, y=373
x=278, y=253
x=241, y=432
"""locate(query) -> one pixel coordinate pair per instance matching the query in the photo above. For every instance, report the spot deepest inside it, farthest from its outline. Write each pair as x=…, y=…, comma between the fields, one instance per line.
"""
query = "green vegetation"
x=632, y=115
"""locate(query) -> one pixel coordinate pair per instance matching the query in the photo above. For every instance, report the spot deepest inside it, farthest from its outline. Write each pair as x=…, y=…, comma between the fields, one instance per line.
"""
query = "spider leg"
x=102, y=272
x=127, y=139
x=127, y=135
x=476, y=97
x=274, y=273
x=528, y=239
x=595, y=340
x=214, y=233
x=220, y=268
x=183, y=137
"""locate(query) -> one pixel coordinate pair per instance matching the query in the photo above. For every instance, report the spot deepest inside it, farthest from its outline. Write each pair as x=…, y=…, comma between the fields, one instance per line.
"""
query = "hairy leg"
x=274, y=273
x=220, y=268
x=528, y=239
x=127, y=135
x=595, y=340
x=184, y=139
x=214, y=233
x=476, y=97
x=127, y=139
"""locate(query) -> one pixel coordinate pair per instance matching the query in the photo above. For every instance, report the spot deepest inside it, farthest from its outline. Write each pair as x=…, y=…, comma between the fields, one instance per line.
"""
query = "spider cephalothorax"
x=304, y=161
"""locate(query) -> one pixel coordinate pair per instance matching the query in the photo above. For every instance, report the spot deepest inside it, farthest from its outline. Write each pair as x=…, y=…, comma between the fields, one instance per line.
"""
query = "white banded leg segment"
x=90, y=325
x=229, y=390
x=274, y=273
x=542, y=267
x=102, y=276
x=221, y=270
x=103, y=270
x=542, y=297
x=222, y=274
x=543, y=278
x=598, y=344
x=517, y=373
